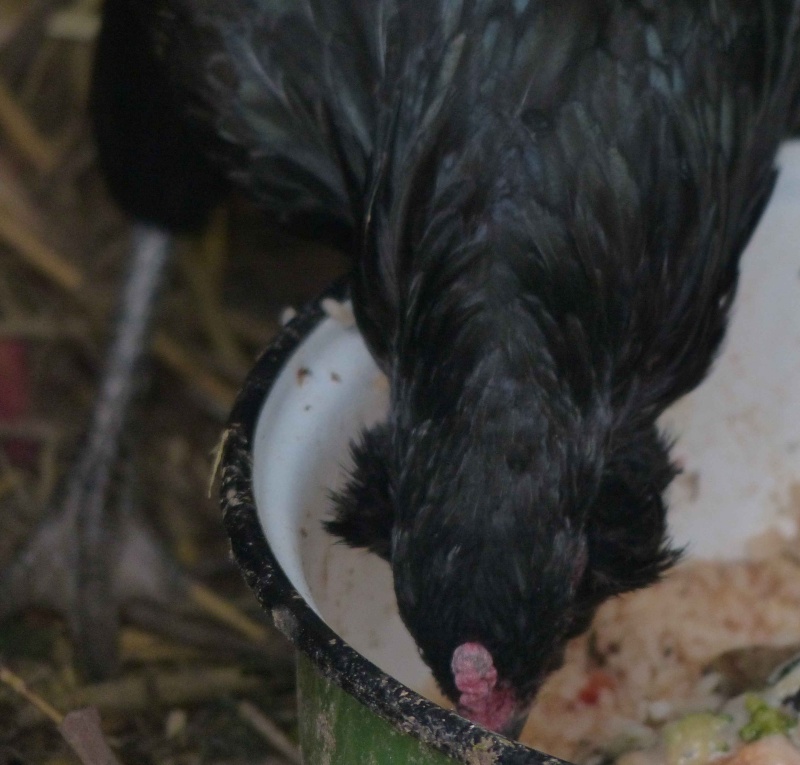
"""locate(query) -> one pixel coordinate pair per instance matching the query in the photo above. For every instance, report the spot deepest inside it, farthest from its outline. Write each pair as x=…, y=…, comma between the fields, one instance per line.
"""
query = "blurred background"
x=62, y=255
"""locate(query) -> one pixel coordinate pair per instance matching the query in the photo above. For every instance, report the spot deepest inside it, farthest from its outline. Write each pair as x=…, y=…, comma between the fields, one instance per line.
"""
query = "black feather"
x=364, y=515
x=152, y=161
x=547, y=201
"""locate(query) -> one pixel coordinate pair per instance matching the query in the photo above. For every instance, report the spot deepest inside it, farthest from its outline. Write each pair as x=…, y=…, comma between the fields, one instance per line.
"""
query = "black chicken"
x=550, y=221
x=547, y=201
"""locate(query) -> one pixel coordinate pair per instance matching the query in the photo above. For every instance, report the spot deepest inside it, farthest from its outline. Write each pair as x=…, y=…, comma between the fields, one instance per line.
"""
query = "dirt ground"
x=62, y=257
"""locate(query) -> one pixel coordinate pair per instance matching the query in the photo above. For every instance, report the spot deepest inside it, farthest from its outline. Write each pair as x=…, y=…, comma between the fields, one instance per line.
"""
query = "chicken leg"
x=84, y=560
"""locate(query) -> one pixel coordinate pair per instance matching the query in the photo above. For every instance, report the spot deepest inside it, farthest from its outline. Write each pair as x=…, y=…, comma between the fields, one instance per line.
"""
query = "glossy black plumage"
x=147, y=151
x=547, y=202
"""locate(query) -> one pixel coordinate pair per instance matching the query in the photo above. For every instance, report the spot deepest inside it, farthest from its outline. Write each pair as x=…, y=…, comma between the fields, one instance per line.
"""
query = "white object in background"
x=738, y=434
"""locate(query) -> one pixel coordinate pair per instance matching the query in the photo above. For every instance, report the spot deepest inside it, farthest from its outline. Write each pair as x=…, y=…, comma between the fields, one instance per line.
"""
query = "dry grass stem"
x=40, y=152
x=20, y=687
x=270, y=731
x=202, y=264
x=225, y=612
x=219, y=394
x=143, y=690
x=39, y=255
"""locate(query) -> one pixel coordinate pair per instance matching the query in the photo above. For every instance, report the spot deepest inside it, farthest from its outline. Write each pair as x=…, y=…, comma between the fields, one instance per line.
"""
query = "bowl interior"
x=329, y=390
x=737, y=438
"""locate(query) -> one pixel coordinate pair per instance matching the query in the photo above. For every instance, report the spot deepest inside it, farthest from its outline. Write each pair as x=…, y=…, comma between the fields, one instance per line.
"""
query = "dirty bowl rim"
x=439, y=728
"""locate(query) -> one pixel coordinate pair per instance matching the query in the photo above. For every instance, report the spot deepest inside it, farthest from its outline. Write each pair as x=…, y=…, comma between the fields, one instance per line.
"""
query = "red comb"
x=473, y=670
x=481, y=700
